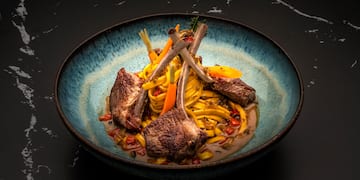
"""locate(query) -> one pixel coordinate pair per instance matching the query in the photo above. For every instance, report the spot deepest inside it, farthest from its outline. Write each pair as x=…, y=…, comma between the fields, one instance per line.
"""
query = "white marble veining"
x=19, y=72
x=24, y=35
x=49, y=132
x=302, y=13
x=318, y=18
x=323, y=36
x=76, y=157
x=21, y=10
x=40, y=166
x=28, y=149
x=351, y=25
x=121, y=3
x=354, y=64
x=23, y=81
x=341, y=39
x=26, y=90
x=215, y=10
x=50, y=30
x=26, y=38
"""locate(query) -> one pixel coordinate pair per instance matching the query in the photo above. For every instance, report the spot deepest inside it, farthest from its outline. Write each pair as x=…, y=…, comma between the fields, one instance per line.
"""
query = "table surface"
x=321, y=37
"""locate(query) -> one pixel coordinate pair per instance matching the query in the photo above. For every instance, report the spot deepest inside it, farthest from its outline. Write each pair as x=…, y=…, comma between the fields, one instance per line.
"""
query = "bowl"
x=85, y=79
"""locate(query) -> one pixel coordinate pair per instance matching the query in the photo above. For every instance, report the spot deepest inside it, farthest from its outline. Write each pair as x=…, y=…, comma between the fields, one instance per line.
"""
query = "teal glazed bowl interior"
x=87, y=75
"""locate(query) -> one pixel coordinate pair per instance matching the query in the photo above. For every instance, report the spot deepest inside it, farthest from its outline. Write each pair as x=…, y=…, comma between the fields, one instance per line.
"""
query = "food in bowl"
x=87, y=75
x=177, y=111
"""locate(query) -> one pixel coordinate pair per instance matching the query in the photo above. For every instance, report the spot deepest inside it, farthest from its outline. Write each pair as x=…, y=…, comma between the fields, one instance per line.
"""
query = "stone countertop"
x=321, y=37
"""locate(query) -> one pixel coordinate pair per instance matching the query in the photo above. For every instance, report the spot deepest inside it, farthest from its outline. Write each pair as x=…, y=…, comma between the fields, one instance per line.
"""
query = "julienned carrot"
x=167, y=46
x=171, y=92
x=145, y=37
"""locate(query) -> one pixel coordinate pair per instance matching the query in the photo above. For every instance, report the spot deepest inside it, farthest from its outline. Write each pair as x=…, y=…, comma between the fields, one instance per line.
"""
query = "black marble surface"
x=321, y=37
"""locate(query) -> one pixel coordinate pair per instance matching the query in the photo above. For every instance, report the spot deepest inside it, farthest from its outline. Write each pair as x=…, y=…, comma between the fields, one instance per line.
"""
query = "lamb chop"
x=234, y=88
x=123, y=97
x=128, y=99
x=174, y=135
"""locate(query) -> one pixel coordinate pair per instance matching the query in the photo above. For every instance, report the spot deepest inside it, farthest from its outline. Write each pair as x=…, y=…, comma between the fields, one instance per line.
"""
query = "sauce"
x=221, y=149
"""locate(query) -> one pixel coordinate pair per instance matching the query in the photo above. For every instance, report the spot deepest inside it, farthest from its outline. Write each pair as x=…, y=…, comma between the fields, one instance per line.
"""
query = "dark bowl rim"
x=276, y=138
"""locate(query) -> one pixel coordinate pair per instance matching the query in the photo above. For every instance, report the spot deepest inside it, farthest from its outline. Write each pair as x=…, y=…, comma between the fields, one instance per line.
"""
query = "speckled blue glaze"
x=86, y=77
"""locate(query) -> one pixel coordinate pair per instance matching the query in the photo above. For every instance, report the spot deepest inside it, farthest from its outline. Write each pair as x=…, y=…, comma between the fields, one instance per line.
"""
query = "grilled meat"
x=174, y=136
x=235, y=89
x=123, y=97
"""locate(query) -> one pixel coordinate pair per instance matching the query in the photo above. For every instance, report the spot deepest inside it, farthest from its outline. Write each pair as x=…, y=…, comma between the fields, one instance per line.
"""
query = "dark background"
x=321, y=37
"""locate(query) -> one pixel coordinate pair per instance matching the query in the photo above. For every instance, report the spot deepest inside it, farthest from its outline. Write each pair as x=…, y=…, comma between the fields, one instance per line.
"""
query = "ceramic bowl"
x=87, y=75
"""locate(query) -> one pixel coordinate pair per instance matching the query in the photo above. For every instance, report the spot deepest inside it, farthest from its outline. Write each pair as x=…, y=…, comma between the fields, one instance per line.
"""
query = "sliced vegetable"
x=130, y=139
x=234, y=122
x=223, y=71
x=105, y=117
x=229, y=130
x=171, y=92
x=145, y=37
x=157, y=92
x=166, y=47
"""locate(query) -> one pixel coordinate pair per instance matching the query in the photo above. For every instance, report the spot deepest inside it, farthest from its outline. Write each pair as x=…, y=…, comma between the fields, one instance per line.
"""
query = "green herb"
x=195, y=22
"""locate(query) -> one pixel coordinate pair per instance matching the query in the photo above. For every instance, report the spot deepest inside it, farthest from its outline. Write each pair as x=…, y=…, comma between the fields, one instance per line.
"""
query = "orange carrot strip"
x=171, y=92
x=152, y=55
x=166, y=47
x=145, y=37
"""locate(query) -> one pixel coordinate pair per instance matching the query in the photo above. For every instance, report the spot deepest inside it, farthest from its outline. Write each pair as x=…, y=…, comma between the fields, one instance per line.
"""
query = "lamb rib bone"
x=174, y=51
x=140, y=104
x=234, y=88
x=174, y=135
x=194, y=46
x=128, y=99
x=184, y=53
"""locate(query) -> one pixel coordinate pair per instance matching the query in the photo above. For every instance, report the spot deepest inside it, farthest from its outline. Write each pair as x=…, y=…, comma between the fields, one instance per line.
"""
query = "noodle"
x=204, y=106
x=211, y=111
